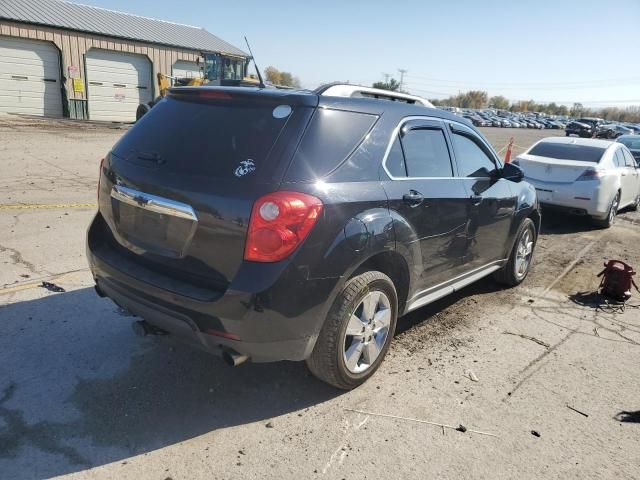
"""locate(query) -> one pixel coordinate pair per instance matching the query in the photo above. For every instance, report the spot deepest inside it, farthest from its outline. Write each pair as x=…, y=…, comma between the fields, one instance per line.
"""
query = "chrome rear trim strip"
x=153, y=203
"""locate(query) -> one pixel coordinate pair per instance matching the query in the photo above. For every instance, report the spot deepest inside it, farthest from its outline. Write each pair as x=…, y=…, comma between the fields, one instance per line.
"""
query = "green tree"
x=577, y=109
x=272, y=74
x=392, y=84
x=499, y=102
x=475, y=99
x=285, y=79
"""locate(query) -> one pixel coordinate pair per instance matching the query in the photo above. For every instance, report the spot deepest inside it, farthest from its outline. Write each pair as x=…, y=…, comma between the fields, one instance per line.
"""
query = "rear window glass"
x=568, y=151
x=631, y=143
x=332, y=135
x=230, y=140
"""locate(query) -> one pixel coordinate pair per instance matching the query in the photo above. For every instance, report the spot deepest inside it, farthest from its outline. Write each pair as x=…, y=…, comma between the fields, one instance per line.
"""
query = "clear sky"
x=547, y=50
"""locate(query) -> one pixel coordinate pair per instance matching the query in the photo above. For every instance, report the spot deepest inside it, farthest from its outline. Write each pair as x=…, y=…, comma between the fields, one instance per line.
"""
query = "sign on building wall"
x=78, y=85
x=74, y=71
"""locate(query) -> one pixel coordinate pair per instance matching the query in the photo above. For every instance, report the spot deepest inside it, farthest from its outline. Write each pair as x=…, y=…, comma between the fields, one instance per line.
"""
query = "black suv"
x=286, y=225
x=583, y=127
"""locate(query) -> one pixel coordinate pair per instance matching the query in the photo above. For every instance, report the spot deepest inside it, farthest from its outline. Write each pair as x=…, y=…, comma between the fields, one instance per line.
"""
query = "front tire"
x=635, y=206
x=357, y=332
x=519, y=263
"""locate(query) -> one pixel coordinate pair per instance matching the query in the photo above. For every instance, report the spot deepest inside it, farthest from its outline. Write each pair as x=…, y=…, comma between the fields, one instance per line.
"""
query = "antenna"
x=261, y=85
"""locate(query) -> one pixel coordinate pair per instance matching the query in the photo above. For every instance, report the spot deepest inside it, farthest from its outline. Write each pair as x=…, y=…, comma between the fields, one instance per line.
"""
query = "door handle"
x=476, y=199
x=413, y=198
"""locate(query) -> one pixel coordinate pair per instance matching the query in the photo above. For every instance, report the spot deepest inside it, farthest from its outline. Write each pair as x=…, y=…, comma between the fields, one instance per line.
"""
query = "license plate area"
x=152, y=224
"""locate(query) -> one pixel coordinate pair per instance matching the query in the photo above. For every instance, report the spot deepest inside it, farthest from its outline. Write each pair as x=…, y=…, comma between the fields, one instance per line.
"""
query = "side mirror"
x=512, y=172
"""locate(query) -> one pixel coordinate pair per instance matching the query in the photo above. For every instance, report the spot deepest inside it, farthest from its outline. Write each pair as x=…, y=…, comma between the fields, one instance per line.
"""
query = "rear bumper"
x=580, y=198
x=262, y=319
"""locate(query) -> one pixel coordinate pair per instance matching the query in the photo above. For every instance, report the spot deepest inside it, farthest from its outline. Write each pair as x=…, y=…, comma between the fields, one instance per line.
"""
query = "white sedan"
x=583, y=176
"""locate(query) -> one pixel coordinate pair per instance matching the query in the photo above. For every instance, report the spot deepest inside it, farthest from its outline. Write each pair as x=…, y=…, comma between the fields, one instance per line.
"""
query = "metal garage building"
x=63, y=59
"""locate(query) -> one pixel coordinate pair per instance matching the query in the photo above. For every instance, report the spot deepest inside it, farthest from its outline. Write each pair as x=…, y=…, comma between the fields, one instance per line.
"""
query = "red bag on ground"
x=617, y=279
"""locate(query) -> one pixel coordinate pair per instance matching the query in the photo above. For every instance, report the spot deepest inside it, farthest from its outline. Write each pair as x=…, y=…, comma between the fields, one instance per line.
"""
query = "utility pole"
x=386, y=77
x=402, y=73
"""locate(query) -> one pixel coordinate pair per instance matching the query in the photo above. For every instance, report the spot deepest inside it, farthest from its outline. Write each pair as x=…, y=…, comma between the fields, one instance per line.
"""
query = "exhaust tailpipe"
x=233, y=358
x=142, y=328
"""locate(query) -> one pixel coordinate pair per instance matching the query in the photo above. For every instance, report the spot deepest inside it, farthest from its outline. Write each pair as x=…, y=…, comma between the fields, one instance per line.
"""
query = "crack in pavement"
x=529, y=371
x=17, y=259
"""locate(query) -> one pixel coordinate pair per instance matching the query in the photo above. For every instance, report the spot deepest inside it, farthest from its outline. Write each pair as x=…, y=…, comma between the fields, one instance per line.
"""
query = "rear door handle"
x=476, y=199
x=413, y=198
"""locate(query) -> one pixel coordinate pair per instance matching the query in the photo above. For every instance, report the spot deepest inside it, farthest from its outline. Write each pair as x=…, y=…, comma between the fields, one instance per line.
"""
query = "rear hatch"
x=559, y=162
x=176, y=192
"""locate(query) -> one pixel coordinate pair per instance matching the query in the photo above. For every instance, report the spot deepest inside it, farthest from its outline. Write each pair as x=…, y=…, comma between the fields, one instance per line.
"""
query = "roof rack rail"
x=338, y=89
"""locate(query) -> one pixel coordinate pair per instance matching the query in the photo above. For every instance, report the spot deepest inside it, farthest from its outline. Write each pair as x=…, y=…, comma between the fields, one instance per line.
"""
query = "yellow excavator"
x=217, y=69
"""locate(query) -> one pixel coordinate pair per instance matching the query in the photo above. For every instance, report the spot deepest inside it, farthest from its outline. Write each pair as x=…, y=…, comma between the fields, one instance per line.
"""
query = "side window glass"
x=472, y=160
x=395, y=161
x=426, y=153
x=628, y=159
x=619, y=158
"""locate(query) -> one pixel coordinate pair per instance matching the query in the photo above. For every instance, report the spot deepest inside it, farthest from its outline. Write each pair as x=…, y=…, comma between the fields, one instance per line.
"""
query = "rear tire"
x=635, y=206
x=515, y=271
x=611, y=216
x=347, y=342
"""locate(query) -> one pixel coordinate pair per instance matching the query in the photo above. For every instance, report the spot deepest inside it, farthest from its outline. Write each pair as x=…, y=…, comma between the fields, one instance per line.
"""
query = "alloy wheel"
x=614, y=208
x=367, y=331
x=524, y=252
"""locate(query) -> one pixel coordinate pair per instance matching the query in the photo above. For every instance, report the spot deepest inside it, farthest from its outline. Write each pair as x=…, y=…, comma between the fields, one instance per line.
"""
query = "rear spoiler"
x=246, y=94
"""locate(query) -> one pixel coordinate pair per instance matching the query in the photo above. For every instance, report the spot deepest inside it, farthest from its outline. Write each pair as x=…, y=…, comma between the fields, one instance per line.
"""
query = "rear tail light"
x=100, y=175
x=590, y=174
x=279, y=222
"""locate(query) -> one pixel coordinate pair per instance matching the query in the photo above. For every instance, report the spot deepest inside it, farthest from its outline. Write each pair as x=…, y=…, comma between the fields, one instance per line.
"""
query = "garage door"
x=116, y=84
x=29, y=77
x=184, y=69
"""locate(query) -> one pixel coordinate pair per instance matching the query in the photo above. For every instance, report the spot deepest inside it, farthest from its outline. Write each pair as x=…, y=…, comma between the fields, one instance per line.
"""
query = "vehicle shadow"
x=557, y=223
x=76, y=385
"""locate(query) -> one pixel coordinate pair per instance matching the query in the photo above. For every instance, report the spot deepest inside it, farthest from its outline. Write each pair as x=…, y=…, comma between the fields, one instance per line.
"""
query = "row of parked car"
x=596, y=127
x=494, y=118
x=586, y=127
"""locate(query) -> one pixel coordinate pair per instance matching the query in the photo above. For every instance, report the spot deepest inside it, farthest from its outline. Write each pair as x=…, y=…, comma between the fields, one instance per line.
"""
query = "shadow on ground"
x=557, y=223
x=77, y=386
